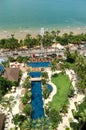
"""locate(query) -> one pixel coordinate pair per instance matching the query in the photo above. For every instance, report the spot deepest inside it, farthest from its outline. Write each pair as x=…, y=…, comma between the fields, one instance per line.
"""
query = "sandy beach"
x=20, y=34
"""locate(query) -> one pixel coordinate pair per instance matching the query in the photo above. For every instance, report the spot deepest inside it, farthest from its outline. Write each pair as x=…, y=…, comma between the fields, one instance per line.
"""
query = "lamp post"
x=41, y=46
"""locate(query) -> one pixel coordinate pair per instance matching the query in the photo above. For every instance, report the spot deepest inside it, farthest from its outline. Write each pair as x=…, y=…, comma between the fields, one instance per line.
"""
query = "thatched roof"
x=2, y=118
x=11, y=74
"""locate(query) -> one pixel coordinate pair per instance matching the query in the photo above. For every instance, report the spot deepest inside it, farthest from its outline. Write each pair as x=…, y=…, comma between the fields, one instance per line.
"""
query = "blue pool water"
x=37, y=103
x=50, y=87
x=1, y=68
x=35, y=74
x=38, y=64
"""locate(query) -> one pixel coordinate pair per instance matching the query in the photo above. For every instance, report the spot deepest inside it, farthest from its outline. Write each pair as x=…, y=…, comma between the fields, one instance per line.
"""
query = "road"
x=37, y=52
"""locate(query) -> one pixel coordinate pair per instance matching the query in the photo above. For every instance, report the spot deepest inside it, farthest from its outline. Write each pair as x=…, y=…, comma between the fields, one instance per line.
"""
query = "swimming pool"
x=36, y=100
x=38, y=64
x=50, y=87
x=37, y=103
x=35, y=74
x=1, y=68
x=2, y=60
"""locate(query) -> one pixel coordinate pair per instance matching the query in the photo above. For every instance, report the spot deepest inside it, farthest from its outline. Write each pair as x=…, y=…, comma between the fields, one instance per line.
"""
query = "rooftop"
x=11, y=74
x=2, y=118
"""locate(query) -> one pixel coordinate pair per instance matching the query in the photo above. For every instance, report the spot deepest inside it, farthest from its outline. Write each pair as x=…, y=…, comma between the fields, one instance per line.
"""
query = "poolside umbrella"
x=23, y=91
x=21, y=107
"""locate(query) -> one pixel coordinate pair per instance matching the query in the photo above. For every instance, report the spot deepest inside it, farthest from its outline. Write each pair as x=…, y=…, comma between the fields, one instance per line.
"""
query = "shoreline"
x=21, y=33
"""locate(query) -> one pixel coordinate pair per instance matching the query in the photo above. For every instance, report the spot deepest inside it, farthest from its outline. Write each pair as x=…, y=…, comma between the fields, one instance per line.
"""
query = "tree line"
x=46, y=40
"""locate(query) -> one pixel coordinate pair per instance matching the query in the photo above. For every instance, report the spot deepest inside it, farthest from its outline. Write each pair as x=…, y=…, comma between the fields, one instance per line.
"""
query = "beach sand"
x=20, y=34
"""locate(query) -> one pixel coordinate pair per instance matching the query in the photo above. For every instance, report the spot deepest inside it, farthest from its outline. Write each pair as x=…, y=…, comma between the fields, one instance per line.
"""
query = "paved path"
x=16, y=96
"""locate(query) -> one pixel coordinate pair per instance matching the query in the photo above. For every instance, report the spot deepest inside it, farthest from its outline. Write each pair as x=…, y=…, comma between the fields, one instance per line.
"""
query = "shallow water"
x=34, y=14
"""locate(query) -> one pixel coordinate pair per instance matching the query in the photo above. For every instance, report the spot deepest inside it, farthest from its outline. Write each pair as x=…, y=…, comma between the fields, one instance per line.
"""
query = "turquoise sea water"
x=34, y=14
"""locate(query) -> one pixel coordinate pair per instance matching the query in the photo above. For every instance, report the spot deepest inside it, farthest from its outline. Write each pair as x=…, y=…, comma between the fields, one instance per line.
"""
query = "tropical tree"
x=5, y=85
x=19, y=59
x=27, y=83
x=70, y=57
x=26, y=97
x=8, y=103
x=80, y=116
x=27, y=40
x=25, y=59
x=18, y=119
x=54, y=117
x=11, y=59
x=46, y=91
x=26, y=124
x=45, y=75
x=28, y=110
x=5, y=64
x=42, y=124
x=53, y=65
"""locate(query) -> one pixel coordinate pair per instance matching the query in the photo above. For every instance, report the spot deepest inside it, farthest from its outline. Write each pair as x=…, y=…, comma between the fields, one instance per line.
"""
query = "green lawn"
x=62, y=83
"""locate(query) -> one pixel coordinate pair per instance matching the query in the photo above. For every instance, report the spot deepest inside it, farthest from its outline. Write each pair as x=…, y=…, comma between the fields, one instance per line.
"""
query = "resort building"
x=11, y=74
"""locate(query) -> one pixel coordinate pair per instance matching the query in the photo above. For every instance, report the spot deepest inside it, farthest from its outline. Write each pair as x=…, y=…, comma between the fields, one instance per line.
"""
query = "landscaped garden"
x=62, y=83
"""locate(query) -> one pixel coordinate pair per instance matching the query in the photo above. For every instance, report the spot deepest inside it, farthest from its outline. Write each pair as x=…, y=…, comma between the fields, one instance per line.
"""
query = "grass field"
x=62, y=83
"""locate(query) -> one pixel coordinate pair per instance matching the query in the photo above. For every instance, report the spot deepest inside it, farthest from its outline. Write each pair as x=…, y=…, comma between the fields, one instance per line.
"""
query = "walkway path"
x=78, y=98
x=17, y=96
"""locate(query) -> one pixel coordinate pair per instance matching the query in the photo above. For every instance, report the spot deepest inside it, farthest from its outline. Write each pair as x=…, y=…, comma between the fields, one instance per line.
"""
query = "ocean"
x=34, y=14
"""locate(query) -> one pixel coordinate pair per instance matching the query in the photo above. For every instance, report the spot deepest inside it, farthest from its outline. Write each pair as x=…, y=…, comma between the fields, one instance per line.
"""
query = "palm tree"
x=26, y=125
x=27, y=110
x=53, y=35
x=53, y=65
x=57, y=32
x=27, y=83
x=25, y=59
x=8, y=103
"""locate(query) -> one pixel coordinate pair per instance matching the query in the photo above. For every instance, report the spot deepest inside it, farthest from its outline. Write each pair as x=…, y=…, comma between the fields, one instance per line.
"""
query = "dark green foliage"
x=5, y=64
x=80, y=115
x=71, y=92
x=70, y=57
x=27, y=83
x=43, y=81
x=20, y=75
x=38, y=124
x=11, y=59
x=47, y=40
x=54, y=117
x=26, y=97
x=53, y=65
x=80, y=69
x=20, y=59
x=74, y=125
x=5, y=85
x=45, y=75
x=28, y=110
x=18, y=119
x=29, y=41
x=46, y=91
x=10, y=43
